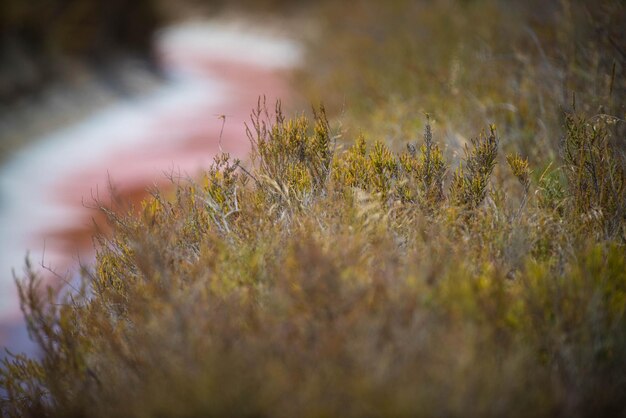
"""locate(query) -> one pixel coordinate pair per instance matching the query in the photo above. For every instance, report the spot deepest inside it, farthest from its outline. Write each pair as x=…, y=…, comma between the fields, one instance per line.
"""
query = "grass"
x=346, y=271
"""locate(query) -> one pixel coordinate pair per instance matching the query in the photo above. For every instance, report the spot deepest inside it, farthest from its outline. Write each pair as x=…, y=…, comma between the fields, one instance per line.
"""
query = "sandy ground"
x=211, y=69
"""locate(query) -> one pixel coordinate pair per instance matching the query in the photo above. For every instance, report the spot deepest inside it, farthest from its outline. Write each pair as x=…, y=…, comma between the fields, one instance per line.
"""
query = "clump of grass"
x=327, y=281
x=595, y=173
x=427, y=170
x=293, y=162
x=469, y=184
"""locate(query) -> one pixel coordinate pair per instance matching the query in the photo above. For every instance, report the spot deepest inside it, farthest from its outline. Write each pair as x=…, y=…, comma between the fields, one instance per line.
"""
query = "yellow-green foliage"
x=326, y=282
x=293, y=162
x=409, y=177
x=469, y=184
x=425, y=171
x=520, y=169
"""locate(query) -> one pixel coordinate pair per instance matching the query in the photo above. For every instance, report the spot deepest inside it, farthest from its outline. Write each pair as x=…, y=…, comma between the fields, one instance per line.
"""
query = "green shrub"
x=318, y=281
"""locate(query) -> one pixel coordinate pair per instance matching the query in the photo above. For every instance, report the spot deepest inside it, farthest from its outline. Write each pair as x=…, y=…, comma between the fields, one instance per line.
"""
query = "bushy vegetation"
x=325, y=281
x=350, y=272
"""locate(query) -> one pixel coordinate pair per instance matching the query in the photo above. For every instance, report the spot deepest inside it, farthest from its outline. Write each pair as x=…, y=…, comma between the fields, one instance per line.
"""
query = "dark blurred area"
x=41, y=38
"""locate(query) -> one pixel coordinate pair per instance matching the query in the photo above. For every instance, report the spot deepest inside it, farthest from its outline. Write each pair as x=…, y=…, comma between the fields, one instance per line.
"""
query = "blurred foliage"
x=518, y=64
x=329, y=281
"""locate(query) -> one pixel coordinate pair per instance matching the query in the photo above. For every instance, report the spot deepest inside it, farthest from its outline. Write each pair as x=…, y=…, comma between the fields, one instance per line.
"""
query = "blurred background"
x=99, y=96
